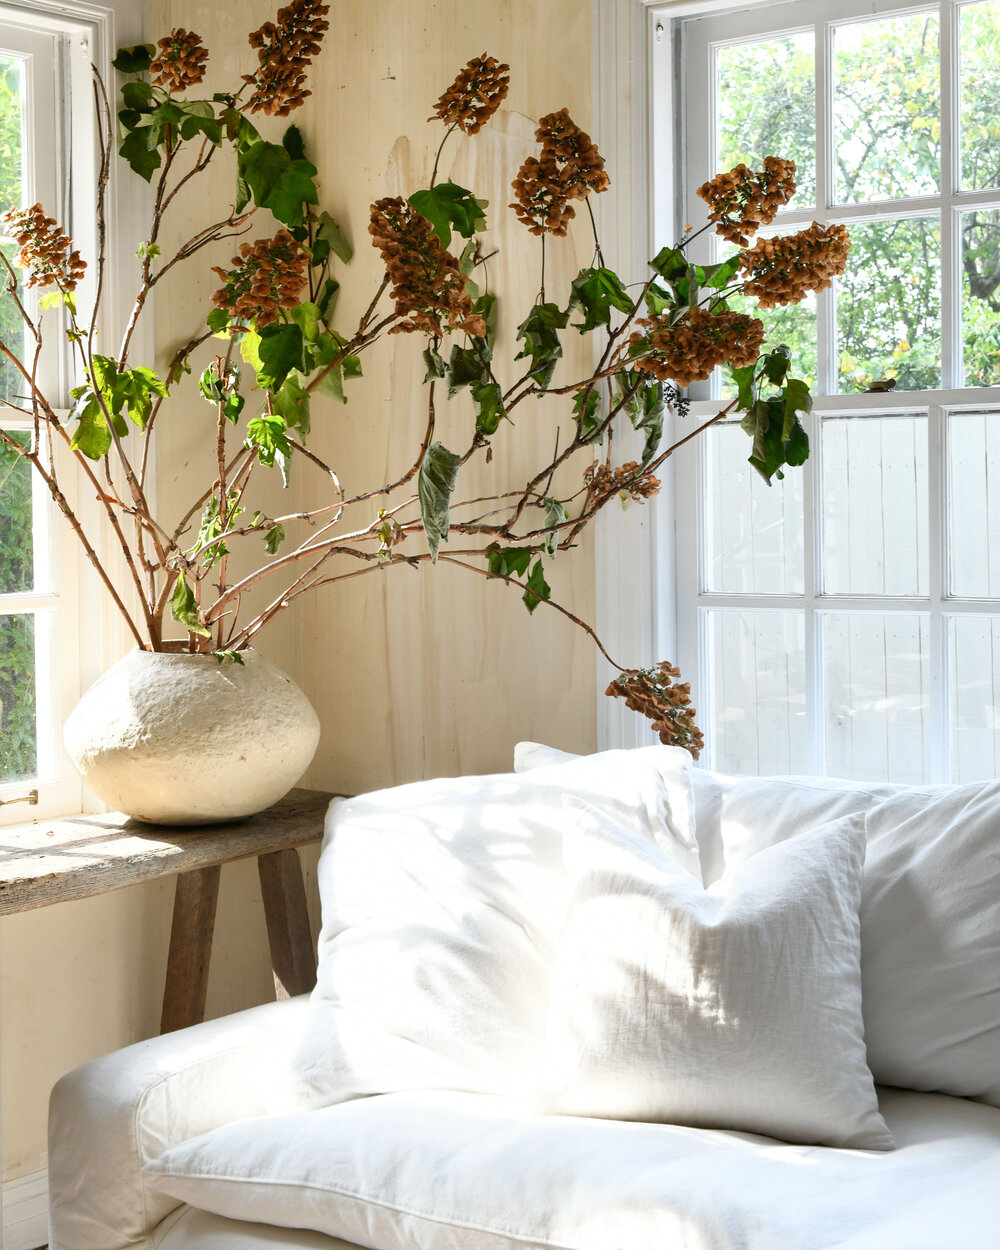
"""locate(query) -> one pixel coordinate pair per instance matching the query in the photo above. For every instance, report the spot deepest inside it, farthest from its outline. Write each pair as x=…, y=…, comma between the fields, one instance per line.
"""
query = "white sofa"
x=399, y=1108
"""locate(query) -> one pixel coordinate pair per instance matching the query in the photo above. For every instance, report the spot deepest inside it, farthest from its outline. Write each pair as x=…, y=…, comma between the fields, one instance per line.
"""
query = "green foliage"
x=280, y=349
x=328, y=238
x=541, y=341
x=18, y=756
x=134, y=60
x=595, y=292
x=508, y=561
x=587, y=409
x=448, y=207
x=111, y=393
x=536, y=587
x=772, y=421
x=184, y=608
x=277, y=180
x=555, y=514
x=435, y=484
x=267, y=436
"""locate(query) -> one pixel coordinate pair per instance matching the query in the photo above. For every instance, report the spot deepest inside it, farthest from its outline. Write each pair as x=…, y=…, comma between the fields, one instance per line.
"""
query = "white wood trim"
x=26, y=1212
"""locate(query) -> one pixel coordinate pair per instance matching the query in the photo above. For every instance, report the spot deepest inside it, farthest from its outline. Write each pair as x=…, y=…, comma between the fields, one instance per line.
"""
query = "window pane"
x=766, y=103
x=981, y=295
x=974, y=726
x=18, y=733
x=889, y=305
x=875, y=505
x=16, y=545
x=887, y=120
x=11, y=196
x=754, y=531
x=877, y=683
x=756, y=724
x=974, y=504
x=979, y=49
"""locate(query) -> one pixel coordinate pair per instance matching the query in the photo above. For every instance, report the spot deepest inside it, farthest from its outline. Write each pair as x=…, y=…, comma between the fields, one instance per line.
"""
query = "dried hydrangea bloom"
x=181, y=61
x=741, y=200
x=475, y=95
x=629, y=481
x=689, y=350
x=652, y=692
x=427, y=283
x=784, y=269
x=569, y=168
x=541, y=204
x=285, y=49
x=47, y=254
x=267, y=276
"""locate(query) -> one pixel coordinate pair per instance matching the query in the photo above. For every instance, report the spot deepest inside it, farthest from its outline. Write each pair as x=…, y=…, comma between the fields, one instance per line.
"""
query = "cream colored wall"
x=413, y=673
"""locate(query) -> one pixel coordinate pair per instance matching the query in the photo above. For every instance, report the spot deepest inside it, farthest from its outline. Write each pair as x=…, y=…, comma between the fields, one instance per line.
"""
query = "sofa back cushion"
x=442, y=903
x=930, y=911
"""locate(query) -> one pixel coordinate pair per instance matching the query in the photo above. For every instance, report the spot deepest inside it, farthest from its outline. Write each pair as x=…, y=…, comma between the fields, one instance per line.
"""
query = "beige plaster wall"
x=413, y=673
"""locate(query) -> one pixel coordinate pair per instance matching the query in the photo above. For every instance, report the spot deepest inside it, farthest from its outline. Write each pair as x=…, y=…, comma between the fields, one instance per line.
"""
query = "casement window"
x=49, y=615
x=846, y=621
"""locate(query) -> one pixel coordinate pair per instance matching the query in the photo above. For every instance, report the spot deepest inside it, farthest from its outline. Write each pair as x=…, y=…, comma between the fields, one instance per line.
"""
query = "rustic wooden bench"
x=80, y=856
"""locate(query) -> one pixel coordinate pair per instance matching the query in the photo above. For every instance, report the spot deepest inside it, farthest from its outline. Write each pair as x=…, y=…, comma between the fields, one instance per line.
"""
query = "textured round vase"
x=178, y=739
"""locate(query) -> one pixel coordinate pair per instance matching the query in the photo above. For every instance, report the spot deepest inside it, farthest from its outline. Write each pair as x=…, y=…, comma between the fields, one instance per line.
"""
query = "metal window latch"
x=31, y=797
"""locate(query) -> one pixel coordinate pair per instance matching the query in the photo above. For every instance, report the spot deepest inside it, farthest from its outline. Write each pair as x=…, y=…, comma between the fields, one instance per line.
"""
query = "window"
x=44, y=62
x=846, y=620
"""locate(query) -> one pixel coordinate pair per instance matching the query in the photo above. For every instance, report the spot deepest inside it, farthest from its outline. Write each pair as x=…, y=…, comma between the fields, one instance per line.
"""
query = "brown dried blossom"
x=46, y=252
x=475, y=95
x=427, y=283
x=267, y=276
x=629, y=481
x=689, y=350
x=569, y=168
x=742, y=200
x=784, y=269
x=285, y=49
x=652, y=692
x=181, y=61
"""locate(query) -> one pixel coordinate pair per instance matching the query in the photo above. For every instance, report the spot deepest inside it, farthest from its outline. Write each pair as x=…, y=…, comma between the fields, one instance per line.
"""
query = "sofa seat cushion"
x=452, y=1171
x=191, y=1229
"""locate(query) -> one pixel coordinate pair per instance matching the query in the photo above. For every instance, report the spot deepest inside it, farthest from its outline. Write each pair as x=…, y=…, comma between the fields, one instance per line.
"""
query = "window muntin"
x=843, y=624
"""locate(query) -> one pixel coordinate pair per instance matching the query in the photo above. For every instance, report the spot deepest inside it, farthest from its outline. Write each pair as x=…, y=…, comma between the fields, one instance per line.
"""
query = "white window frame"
x=70, y=604
x=670, y=561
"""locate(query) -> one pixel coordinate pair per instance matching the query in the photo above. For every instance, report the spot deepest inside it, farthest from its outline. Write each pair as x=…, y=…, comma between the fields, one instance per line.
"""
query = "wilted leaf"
x=435, y=484
x=184, y=608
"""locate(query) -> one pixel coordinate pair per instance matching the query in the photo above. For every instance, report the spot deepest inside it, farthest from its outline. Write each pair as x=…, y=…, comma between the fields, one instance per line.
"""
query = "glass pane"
x=766, y=102
x=981, y=295
x=974, y=504
x=756, y=724
x=875, y=528
x=887, y=118
x=889, y=305
x=979, y=49
x=974, y=697
x=18, y=731
x=11, y=196
x=16, y=546
x=877, y=688
x=753, y=531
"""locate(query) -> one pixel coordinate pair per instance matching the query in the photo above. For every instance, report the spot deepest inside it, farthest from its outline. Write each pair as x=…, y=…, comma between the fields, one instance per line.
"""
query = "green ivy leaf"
x=670, y=263
x=435, y=364
x=718, y=277
x=280, y=350
x=596, y=292
x=797, y=399
x=745, y=387
x=327, y=300
x=137, y=97
x=273, y=539
x=508, y=561
x=292, y=403
x=586, y=406
x=278, y=182
x=293, y=143
x=555, y=514
x=139, y=150
x=775, y=365
x=267, y=438
x=796, y=444
x=487, y=402
x=217, y=320
x=486, y=306
x=91, y=436
x=465, y=368
x=184, y=608
x=435, y=484
x=446, y=206
x=134, y=60
x=329, y=238
x=541, y=342
x=536, y=587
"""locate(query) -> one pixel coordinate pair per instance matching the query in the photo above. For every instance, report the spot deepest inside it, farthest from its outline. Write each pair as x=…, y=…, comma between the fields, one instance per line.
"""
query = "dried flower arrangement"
x=274, y=309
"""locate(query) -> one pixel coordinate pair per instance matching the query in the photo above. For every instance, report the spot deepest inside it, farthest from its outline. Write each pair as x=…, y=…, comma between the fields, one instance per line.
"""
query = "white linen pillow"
x=734, y=1007
x=442, y=903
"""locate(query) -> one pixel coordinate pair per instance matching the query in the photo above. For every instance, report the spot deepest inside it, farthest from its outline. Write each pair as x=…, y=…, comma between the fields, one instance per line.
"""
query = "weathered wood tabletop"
x=77, y=857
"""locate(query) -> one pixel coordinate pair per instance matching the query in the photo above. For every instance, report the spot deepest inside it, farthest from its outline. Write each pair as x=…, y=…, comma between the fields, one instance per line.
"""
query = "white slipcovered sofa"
x=612, y=1003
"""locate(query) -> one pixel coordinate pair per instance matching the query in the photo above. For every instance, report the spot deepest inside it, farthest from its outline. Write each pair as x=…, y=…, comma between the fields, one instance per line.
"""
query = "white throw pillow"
x=442, y=903
x=734, y=1007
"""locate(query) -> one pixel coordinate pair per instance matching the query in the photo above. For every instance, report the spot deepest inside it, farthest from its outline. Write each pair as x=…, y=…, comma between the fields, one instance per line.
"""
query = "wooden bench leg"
x=293, y=956
x=195, y=897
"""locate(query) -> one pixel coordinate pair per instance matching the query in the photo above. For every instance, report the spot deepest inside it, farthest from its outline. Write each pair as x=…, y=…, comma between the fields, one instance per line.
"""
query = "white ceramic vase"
x=178, y=739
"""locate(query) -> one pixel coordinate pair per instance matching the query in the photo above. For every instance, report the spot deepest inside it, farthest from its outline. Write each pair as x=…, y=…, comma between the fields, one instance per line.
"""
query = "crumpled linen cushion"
x=450, y=1171
x=734, y=1007
x=442, y=903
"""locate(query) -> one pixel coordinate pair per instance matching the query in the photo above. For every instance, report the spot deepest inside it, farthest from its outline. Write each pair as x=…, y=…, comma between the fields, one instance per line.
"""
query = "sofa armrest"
x=110, y=1117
